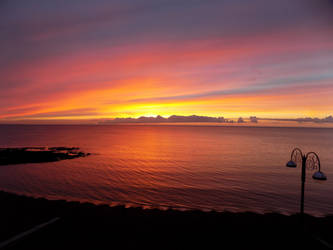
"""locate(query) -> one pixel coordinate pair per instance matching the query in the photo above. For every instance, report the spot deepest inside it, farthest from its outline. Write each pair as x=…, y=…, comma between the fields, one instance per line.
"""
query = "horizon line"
x=169, y=119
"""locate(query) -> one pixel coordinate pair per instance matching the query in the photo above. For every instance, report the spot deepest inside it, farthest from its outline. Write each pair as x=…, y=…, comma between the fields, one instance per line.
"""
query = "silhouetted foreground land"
x=88, y=226
x=37, y=154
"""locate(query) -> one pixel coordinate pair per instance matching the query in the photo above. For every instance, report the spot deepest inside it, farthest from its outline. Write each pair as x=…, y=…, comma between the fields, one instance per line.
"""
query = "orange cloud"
x=173, y=78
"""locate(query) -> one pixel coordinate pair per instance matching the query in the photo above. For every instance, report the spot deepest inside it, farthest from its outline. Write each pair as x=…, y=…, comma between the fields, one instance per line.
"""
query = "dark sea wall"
x=89, y=226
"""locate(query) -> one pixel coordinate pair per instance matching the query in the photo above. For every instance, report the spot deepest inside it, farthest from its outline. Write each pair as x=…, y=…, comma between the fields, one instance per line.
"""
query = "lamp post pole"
x=310, y=161
x=303, y=184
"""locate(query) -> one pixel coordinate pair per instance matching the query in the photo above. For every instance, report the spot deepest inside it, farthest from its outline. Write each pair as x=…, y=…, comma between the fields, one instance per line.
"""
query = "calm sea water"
x=199, y=167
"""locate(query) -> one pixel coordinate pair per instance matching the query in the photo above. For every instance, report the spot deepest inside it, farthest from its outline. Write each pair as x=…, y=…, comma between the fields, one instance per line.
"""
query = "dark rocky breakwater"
x=23, y=155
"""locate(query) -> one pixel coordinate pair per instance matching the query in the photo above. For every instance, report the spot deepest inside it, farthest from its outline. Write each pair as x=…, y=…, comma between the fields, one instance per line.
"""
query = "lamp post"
x=309, y=161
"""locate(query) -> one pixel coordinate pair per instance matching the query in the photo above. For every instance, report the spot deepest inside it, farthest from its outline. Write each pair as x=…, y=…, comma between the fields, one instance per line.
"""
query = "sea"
x=185, y=167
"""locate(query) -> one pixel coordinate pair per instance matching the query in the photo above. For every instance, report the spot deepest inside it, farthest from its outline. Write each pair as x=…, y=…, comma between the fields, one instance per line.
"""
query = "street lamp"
x=310, y=161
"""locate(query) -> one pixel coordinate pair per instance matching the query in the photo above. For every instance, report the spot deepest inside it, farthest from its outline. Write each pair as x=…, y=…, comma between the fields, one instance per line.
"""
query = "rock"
x=23, y=155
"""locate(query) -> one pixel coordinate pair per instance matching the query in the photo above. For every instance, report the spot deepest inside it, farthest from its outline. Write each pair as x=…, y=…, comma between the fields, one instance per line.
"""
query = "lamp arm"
x=295, y=150
x=316, y=156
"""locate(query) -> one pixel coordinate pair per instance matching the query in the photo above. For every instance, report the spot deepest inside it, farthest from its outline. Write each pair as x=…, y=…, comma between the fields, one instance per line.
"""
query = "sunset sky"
x=104, y=59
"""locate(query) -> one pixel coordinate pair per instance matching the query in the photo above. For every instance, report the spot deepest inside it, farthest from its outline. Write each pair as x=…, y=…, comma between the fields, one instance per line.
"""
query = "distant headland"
x=177, y=118
x=203, y=119
x=247, y=121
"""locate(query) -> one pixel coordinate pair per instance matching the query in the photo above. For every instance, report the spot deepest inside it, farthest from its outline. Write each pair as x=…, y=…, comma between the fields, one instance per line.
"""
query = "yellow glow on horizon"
x=140, y=97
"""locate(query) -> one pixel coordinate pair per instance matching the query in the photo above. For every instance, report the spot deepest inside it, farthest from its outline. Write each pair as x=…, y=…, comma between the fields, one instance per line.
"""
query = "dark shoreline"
x=89, y=226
